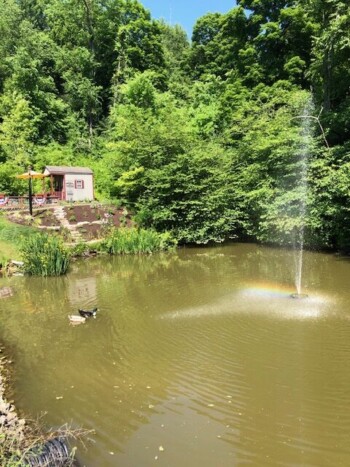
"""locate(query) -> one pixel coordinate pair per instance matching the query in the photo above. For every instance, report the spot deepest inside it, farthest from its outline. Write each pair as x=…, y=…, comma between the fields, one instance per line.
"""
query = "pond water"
x=197, y=358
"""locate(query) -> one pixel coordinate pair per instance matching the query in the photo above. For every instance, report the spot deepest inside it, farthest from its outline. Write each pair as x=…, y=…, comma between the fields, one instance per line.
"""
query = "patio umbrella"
x=29, y=176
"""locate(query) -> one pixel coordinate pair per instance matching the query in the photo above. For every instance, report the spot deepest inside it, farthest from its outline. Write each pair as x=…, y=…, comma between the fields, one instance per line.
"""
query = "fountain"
x=299, y=295
x=299, y=247
x=307, y=117
x=299, y=230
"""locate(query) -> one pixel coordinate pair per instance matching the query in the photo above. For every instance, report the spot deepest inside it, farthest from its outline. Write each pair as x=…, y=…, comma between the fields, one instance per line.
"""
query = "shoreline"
x=12, y=427
x=22, y=441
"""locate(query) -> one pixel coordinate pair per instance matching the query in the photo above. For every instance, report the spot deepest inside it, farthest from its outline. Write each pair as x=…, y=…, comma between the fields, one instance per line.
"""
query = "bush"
x=45, y=255
x=134, y=241
x=83, y=249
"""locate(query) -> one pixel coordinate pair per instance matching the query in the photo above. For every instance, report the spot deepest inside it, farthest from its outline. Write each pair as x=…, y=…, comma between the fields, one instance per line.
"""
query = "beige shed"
x=71, y=183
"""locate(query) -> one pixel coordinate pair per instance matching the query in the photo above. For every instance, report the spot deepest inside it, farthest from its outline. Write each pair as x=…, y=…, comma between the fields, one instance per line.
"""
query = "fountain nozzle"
x=299, y=296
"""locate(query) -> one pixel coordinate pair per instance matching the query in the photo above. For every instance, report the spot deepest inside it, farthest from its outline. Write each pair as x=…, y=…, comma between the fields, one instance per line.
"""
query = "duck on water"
x=83, y=315
x=88, y=313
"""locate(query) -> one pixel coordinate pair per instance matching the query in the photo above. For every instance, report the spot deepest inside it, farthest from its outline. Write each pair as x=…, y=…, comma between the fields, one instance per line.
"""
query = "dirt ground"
x=90, y=220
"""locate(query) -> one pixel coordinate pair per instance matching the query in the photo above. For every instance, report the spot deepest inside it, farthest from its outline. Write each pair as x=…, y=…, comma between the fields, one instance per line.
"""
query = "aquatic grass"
x=126, y=241
x=45, y=255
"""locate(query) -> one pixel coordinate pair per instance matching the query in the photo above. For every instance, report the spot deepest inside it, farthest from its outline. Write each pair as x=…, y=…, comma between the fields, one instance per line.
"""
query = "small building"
x=71, y=183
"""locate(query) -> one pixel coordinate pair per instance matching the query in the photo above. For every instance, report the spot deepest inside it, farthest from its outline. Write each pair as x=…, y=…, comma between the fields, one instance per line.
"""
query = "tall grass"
x=11, y=236
x=14, y=233
x=32, y=445
x=45, y=255
x=126, y=241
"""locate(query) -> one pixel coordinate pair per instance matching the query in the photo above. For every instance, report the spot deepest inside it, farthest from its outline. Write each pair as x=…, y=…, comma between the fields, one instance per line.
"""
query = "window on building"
x=79, y=184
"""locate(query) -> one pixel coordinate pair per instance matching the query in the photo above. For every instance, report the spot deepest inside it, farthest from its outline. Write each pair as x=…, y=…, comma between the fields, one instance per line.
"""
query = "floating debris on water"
x=6, y=292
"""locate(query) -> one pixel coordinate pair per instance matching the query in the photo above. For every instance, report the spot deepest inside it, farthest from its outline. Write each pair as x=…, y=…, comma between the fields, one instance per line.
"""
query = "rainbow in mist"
x=266, y=289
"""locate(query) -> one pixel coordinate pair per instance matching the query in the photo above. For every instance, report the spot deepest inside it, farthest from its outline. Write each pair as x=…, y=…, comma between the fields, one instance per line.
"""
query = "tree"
x=139, y=40
x=10, y=21
x=163, y=169
x=176, y=49
x=329, y=68
x=203, y=51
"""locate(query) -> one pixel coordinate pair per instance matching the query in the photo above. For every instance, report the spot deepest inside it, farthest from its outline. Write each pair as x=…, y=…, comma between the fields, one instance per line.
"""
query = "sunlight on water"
x=265, y=299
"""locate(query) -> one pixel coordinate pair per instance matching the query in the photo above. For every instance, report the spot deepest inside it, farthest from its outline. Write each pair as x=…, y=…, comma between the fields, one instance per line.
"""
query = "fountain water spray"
x=299, y=231
x=307, y=117
x=299, y=253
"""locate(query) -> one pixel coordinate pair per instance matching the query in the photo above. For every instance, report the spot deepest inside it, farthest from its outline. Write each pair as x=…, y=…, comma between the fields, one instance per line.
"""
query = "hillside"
x=80, y=222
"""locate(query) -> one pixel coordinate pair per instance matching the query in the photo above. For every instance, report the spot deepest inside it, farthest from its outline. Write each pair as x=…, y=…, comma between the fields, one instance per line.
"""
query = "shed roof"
x=61, y=170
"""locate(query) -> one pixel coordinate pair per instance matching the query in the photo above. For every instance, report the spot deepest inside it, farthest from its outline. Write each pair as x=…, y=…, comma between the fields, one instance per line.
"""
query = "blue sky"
x=186, y=12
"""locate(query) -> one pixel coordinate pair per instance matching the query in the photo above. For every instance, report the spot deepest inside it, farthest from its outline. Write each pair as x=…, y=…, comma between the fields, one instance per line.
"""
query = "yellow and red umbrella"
x=29, y=176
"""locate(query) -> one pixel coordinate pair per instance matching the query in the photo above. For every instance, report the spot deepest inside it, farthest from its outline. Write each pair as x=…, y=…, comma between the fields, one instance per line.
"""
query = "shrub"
x=83, y=249
x=45, y=255
x=135, y=241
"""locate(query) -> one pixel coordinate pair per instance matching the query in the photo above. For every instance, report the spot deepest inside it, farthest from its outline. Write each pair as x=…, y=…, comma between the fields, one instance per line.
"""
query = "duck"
x=75, y=319
x=88, y=313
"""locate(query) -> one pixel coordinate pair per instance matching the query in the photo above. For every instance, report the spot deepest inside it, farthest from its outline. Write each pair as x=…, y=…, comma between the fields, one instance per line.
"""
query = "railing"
x=21, y=202
x=58, y=194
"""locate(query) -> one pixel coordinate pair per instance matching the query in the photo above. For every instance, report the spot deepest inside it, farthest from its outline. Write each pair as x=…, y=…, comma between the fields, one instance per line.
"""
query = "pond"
x=195, y=358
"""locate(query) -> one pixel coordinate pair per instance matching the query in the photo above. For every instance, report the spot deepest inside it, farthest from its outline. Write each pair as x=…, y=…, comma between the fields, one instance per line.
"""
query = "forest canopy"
x=209, y=138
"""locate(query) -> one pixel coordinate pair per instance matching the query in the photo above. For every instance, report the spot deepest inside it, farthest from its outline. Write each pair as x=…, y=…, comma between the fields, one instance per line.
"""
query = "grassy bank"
x=46, y=254
x=11, y=236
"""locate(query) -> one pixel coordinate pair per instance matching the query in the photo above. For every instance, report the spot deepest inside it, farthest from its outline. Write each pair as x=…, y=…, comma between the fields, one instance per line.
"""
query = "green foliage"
x=274, y=151
x=189, y=196
x=125, y=241
x=205, y=140
x=140, y=91
x=176, y=49
x=45, y=255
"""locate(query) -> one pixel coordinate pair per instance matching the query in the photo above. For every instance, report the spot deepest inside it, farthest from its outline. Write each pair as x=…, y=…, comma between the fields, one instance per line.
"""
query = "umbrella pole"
x=30, y=196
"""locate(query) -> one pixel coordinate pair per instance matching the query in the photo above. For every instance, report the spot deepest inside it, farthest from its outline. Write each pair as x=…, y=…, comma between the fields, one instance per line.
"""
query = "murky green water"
x=199, y=358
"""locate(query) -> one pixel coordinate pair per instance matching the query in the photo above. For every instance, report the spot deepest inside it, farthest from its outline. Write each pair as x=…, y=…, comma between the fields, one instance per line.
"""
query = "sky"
x=186, y=12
